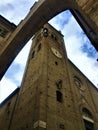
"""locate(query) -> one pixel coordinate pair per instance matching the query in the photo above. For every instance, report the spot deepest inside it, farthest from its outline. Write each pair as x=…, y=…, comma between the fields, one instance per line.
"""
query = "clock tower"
x=45, y=93
x=49, y=98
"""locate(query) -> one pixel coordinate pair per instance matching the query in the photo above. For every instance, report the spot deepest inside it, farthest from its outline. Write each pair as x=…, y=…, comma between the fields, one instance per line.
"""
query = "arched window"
x=88, y=119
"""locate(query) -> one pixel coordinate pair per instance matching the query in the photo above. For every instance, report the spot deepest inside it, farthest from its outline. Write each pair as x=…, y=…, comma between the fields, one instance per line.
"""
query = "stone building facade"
x=54, y=94
x=6, y=29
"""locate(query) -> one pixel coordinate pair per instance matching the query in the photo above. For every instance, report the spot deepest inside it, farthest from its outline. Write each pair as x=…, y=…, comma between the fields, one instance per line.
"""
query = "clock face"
x=56, y=52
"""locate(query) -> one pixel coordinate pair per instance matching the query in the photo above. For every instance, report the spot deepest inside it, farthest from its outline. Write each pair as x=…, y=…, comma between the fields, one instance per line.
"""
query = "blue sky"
x=79, y=49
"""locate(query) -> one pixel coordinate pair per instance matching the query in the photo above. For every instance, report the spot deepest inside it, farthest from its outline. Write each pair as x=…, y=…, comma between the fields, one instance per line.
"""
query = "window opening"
x=62, y=126
x=45, y=32
x=39, y=47
x=9, y=104
x=59, y=96
x=86, y=113
x=59, y=84
x=33, y=53
x=56, y=62
x=88, y=125
x=88, y=119
x=53, y=37
x=38, y=37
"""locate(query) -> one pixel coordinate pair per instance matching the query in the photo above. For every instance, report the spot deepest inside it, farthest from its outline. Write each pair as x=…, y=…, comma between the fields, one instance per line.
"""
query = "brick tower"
x=45, y=94
x=54, y=94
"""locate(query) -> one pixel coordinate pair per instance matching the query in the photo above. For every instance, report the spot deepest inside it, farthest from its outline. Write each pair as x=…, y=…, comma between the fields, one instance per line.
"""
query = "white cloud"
x=15, y=10
x=6, y=88
x=6, y=2
x=23, y=55
x=16, y=70
x=81, y=60
x=21, y=59
x=74, y=41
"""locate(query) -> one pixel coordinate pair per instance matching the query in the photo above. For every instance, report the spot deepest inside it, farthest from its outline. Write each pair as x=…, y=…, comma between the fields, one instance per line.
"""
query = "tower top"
x=49, y=31
x=49, y=26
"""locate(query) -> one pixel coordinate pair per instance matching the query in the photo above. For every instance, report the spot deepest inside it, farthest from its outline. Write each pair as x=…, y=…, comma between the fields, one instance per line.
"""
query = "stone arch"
x=44, y=10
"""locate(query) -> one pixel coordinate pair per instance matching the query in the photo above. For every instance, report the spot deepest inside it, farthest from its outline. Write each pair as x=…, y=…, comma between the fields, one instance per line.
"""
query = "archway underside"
x=39, y=14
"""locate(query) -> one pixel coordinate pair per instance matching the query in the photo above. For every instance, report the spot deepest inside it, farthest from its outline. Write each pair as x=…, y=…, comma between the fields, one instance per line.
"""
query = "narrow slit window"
x=33, y=54
x=59, y=96
x=39, y=47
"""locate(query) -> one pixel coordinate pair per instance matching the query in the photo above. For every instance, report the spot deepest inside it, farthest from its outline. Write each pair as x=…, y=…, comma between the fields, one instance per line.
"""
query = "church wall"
x=85, y=93
x=6, y=111
x=6, y=29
